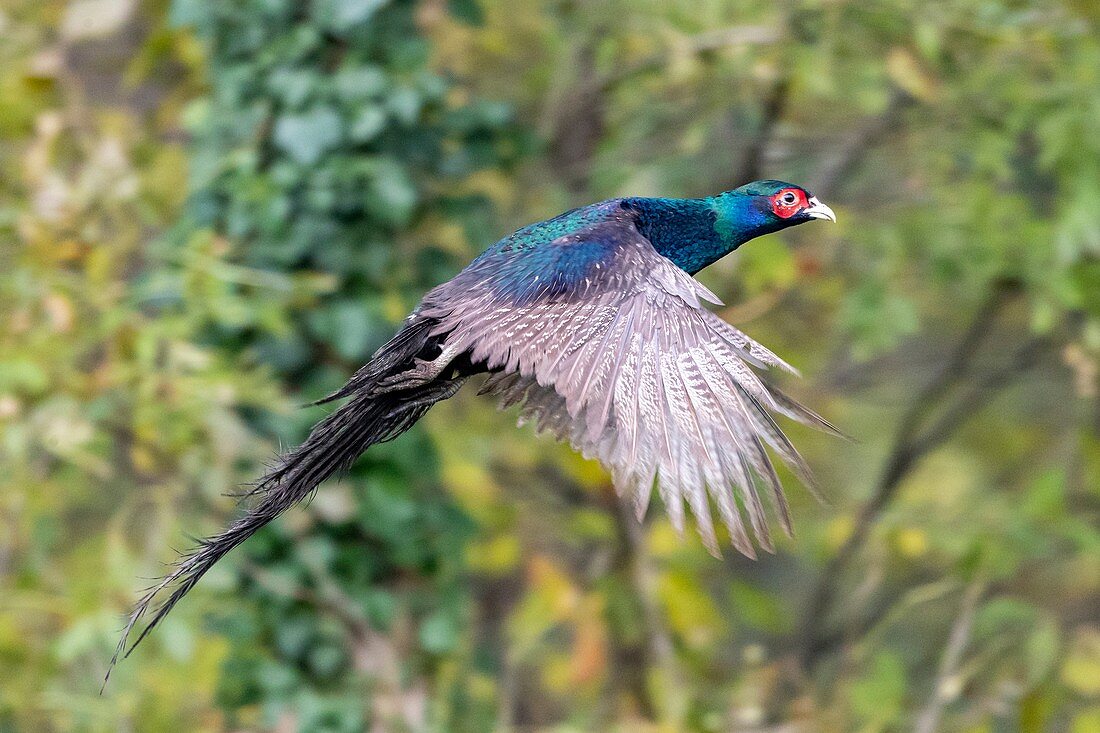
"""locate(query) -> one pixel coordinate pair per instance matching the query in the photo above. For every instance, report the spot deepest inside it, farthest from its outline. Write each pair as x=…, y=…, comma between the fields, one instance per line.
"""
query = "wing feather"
x=628, y=365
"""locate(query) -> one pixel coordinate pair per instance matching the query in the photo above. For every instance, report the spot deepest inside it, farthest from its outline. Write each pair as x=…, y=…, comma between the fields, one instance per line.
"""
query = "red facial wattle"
x=789, y=202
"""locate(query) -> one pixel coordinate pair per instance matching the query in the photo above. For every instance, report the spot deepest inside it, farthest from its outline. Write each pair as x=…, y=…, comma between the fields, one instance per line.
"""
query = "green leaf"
x=468, y=11
x=293, y=86
x=342, y=15
x=438, y=633
x=1043, y=649
x=308, y=136
x=368, y=123
x=405, y=104
x=22, y=375
x=878, y=694
x=392, y=195
x=1086, y=721
x=357, y=83
x=759, y=608
x=326, y=659
x=1081, y=667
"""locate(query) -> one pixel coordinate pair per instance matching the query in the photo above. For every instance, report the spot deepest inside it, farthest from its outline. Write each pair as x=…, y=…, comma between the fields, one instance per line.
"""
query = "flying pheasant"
x=592, y=322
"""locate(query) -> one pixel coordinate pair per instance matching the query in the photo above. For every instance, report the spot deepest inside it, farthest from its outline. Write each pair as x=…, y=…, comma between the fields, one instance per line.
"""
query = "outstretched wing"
x=608, y=345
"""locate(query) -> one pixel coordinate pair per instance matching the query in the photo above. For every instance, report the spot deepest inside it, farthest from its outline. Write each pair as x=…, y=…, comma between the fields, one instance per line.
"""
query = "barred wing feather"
x=629, y=367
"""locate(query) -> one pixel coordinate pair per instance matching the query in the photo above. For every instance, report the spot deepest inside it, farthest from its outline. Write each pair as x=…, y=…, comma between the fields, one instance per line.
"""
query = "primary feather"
x=592, y=322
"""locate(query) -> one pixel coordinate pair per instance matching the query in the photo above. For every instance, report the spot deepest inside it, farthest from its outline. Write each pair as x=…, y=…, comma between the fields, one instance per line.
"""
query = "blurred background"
x=212, y=212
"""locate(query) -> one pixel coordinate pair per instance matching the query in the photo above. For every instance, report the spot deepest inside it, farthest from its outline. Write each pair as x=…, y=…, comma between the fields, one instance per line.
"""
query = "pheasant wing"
x=608, y=345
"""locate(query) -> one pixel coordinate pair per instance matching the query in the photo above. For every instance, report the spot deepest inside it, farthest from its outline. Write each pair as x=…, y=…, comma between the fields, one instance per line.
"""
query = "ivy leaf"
x=293, y=86
x=392, y=195
x=359, y=82
x=438, y=633
x=367, y=124
x=342, y=15
x=306, y=137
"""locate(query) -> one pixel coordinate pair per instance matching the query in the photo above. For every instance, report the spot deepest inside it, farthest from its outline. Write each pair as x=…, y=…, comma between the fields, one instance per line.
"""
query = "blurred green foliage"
x=327, y=145
x=212, y=212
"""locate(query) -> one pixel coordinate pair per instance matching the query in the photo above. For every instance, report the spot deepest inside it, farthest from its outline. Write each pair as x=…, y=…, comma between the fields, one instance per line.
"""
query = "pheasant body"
x=591, y=322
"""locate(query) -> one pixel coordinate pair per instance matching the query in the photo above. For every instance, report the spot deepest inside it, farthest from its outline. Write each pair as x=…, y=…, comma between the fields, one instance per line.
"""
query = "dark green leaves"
x=323, y=139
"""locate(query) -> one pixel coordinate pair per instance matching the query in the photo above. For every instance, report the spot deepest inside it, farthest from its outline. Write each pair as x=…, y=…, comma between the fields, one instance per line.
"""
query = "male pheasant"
x=592, y=322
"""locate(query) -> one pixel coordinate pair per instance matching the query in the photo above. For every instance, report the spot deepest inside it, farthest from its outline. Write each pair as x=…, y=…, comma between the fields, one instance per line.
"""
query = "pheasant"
x=593, y=323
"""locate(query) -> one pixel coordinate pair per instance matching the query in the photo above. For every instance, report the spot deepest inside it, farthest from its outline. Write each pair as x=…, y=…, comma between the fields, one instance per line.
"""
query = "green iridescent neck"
x=694, y=233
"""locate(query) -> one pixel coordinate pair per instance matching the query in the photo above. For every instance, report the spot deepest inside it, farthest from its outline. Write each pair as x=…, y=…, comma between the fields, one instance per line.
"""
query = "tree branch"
x=578, y=115
x=913, y=440
x=957, y=363
x=928, y=720
x=714, y=40
x=659, y=649
x=837, y=167
x=752, y=163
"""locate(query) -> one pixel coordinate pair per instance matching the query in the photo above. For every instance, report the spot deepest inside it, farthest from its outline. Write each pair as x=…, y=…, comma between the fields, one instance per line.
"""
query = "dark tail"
x=369, y=417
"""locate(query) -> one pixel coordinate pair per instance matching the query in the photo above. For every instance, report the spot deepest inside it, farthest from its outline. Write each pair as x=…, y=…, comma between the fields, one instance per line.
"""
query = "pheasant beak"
x=818, y=210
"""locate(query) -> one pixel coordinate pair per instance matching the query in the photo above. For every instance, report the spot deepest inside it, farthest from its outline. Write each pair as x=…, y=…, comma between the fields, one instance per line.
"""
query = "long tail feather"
x=333, y=444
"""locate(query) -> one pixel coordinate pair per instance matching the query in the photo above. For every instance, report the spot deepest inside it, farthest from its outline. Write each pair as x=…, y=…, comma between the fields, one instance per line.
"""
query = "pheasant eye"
x=787, y=202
